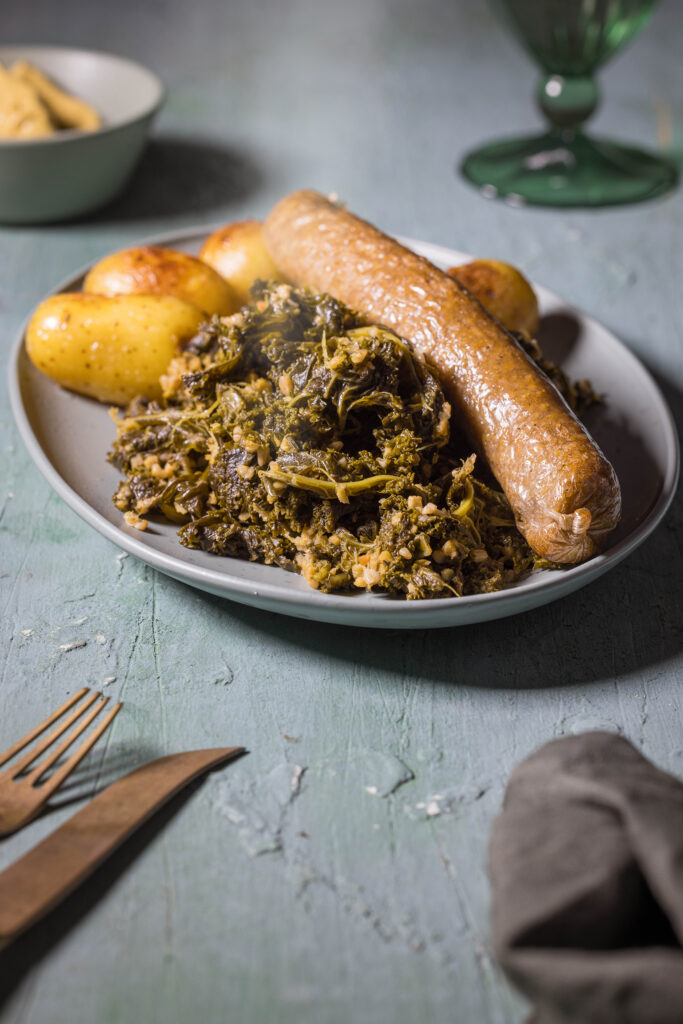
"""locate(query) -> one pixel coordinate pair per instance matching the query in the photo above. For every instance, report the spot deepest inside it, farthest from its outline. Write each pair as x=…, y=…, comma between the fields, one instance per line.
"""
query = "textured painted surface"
x=338, y=872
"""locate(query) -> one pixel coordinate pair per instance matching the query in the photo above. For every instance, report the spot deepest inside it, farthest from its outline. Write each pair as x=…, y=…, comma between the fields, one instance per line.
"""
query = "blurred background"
x=376, y=101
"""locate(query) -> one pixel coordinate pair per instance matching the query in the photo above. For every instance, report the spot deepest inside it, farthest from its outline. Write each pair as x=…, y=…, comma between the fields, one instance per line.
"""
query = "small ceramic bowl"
x=70, y=173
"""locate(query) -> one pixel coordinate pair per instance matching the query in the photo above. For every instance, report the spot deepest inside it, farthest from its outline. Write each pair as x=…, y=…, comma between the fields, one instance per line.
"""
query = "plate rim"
x=361, y=609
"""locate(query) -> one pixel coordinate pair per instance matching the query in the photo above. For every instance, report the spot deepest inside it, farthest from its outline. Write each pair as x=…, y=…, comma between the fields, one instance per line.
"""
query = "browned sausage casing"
x=564, y=493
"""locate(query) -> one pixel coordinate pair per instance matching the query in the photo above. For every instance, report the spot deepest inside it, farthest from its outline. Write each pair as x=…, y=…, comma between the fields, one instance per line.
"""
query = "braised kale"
x=297, y=435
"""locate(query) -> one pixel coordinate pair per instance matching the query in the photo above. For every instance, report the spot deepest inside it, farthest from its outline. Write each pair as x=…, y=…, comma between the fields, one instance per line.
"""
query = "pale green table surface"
x=283, y=889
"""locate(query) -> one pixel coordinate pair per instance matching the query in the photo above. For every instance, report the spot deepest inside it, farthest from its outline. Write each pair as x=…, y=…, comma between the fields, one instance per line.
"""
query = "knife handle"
x=48, y=873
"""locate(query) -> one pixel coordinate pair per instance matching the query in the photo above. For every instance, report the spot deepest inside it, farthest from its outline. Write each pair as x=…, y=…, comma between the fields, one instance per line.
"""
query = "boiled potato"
x=150, y=269
x=503, y=291
x=238, y=252
x=111, y=349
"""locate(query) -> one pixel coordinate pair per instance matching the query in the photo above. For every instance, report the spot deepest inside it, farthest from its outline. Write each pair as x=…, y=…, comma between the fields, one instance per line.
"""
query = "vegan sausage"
x=564, y=493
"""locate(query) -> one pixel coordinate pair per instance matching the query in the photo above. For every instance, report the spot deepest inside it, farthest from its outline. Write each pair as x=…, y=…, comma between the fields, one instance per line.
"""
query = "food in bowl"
x=32, y=105
x=66, y=173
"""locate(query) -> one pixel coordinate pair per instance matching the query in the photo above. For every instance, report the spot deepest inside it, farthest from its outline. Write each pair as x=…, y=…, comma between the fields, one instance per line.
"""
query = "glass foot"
x=568, y=169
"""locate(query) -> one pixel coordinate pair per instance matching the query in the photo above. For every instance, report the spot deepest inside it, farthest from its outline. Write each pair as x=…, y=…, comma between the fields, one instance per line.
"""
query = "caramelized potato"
x=238, y=252
x=111, y=349
x=152, y=270
x=503, y=291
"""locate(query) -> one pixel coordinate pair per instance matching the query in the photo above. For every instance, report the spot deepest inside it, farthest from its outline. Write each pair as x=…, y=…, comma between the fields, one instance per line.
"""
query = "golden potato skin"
x=503, y=291
x=238, y=252
x=111, y=349
x=153, y=270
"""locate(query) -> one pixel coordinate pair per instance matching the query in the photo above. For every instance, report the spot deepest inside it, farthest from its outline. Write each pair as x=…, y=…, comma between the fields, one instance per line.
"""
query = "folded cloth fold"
x=586, y=863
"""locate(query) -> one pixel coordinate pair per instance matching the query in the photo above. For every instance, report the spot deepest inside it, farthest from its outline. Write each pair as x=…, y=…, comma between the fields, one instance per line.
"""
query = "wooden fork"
x=21, y=795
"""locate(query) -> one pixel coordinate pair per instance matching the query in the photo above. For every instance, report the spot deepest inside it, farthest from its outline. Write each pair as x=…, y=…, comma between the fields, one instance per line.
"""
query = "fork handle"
x=46, y=875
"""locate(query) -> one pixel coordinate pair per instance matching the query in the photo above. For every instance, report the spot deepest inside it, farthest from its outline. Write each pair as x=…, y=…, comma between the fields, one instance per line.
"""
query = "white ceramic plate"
x=68, y=438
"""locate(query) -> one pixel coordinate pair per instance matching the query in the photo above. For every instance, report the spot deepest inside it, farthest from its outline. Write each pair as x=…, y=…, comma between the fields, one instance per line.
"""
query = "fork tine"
x=52, y=758
x=62, y=773
x=32, y=754
x=30, y=736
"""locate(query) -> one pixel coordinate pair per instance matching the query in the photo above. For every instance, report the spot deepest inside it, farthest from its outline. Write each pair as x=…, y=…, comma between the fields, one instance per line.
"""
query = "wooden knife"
x=46, y=875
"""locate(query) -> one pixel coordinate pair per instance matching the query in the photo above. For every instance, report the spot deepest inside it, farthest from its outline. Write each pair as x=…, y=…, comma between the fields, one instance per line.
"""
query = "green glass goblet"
x=570, y=40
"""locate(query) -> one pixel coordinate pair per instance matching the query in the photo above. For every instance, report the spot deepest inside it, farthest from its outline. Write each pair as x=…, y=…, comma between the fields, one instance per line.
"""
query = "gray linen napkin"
x=586, y=863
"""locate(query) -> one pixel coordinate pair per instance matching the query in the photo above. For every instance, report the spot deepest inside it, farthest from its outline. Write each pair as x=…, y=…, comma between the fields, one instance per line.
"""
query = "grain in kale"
x=295, y=434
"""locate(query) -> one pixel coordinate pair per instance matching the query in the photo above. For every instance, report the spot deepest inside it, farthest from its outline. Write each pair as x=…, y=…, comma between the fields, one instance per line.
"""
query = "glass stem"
x=567, y=101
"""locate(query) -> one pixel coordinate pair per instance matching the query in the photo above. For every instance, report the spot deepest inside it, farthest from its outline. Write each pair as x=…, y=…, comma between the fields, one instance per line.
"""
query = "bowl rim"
x=73, y=134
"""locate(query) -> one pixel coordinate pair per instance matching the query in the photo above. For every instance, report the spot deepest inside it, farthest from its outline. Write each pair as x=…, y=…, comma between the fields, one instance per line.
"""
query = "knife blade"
x=46, y=875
